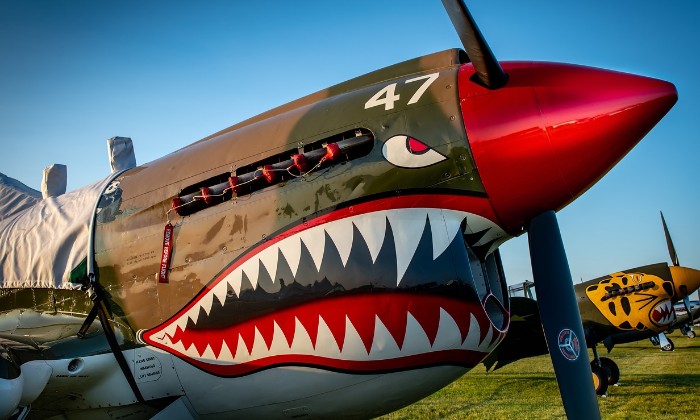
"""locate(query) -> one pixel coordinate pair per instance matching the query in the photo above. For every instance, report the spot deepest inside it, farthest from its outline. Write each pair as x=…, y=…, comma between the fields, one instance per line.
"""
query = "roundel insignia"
x=568, y=344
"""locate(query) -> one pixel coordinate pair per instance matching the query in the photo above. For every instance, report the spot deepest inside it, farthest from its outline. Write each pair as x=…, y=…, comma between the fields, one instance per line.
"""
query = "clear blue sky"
x=73, y=74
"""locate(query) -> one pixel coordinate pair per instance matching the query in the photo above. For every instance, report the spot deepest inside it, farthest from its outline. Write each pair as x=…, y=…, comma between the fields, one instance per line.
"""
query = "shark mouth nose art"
x=369, y=288
x=663, y=313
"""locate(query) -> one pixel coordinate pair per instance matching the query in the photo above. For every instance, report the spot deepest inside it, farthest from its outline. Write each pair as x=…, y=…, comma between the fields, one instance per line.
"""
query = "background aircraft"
x=315, y=259
x=622, y=307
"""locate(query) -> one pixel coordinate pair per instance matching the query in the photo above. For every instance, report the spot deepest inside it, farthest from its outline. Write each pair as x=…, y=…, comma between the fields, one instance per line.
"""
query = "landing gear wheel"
x=611, y=368
x=668, y=347
x=600, y=380
x=687, y=330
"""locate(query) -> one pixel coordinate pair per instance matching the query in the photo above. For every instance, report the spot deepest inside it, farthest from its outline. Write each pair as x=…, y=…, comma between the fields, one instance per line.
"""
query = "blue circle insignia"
x=569, y=344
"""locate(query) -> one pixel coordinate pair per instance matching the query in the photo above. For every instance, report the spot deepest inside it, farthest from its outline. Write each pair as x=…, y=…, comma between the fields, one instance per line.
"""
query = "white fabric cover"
x=15, y=196
x=40, y=245
x=54, y=180
x=121, y=153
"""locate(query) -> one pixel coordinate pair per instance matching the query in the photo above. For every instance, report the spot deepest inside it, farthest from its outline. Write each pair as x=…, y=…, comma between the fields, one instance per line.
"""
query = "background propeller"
x=669, y=242
x=674, y=259
x=559, y=312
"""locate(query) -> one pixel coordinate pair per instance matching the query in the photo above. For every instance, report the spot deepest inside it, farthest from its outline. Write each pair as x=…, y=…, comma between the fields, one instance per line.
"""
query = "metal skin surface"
x=356, y=289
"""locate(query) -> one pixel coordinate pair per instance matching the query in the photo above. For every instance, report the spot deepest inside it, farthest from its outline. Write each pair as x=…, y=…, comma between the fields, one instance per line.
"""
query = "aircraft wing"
x=525, y=337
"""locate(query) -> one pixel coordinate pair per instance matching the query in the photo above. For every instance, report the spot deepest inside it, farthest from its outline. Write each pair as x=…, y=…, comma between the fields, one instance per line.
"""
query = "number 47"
x=387, y=96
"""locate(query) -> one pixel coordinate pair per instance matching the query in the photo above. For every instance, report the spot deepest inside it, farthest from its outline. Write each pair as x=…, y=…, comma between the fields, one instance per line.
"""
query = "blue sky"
x=73, y=74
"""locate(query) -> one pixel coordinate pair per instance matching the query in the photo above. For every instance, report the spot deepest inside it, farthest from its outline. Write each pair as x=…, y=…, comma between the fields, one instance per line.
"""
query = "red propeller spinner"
x=563, y=127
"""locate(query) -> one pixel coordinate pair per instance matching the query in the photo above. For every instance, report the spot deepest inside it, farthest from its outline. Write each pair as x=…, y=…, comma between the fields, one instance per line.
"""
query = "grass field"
x=653, y=385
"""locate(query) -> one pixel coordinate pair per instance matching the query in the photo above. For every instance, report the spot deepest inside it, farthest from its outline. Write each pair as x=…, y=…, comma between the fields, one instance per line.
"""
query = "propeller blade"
x=560, y=317
x=488, y=69
x=669, y=243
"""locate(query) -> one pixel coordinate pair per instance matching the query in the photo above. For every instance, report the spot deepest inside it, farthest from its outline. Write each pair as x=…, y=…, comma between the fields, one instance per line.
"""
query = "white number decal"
x=430, y=78
x=387, y=96
x=390, y=96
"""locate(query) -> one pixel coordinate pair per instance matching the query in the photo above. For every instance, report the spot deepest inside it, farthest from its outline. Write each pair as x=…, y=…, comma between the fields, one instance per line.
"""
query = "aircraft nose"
x=554, y=130
x=686, y=280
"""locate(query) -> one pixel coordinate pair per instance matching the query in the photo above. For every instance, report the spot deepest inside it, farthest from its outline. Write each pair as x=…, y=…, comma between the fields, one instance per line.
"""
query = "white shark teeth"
x=486, y=342
x=407, y=227
x=270, y=258
x=452, y=225
x=206, y=302
x=383, y=340
x=234, y=279
x=242, y=354
x=341, y=233
x=445, y=338
x=251, y=268
x=372, y=227
x=193, y=313
x=473, y=335
x=416, y=339
x=225, y=353
x=259, y=345
x=208, y=354
x=325, y=340
x=192, y=352
x=315, y=243
x=220, y=291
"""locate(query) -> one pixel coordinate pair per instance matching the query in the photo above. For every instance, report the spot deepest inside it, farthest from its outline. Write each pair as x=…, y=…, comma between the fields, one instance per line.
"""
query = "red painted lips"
x=357, y=333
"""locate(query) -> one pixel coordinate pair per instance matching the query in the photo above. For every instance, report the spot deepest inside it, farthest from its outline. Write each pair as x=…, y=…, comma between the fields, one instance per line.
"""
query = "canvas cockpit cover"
x=43, y=241
x=15, y=196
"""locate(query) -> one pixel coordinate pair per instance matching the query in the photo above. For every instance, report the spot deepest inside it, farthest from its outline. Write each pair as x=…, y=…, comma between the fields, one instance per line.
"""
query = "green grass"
x=653, y=385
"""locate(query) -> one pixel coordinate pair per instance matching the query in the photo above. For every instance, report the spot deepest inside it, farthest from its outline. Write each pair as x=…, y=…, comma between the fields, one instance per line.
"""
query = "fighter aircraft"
x=622, y=307
x=333, y=257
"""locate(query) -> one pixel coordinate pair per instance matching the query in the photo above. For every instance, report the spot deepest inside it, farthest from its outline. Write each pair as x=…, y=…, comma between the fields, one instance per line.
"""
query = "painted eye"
x=407, y=152
x=112, y=188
